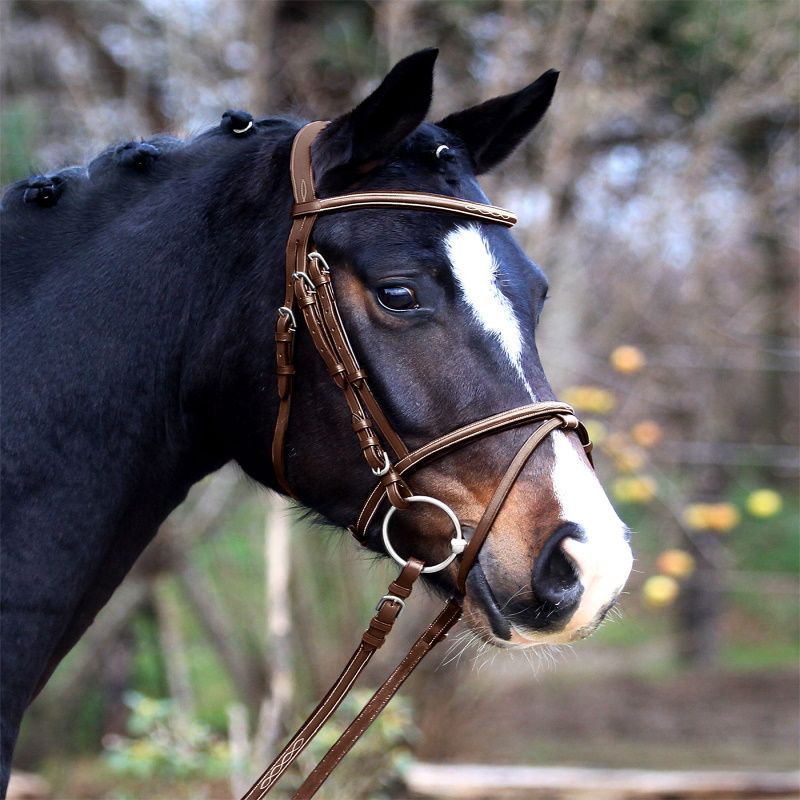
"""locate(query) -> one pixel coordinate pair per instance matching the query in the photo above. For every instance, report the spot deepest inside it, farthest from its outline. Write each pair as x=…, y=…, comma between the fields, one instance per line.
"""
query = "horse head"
x=442, y=313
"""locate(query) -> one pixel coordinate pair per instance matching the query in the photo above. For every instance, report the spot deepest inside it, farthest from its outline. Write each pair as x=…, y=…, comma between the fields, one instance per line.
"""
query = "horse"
x=139, y=302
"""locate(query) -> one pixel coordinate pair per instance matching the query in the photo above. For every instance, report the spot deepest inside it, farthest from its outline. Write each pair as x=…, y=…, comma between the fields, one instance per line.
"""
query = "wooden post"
x=173, y=648
x=277, y=553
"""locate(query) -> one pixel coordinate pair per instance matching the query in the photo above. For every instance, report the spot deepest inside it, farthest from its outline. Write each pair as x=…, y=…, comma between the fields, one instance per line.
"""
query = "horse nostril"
x=555, y=578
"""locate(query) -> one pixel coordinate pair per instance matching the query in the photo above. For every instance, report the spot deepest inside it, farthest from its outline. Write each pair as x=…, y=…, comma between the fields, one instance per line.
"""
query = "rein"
x=308, y=287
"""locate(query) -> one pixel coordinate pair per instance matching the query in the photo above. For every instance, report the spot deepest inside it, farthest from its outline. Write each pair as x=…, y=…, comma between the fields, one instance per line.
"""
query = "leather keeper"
x=357, y=375
x=381, y=626
x=372, y=641
x=360, y=423
x=307, y=299
x=285, y=369
x=393, y=477
x=369, y=442
x=401, y=591
x=396, y=490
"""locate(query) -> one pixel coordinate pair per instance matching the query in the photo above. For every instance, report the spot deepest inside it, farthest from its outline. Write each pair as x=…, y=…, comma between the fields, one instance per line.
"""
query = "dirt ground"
x=692, y=720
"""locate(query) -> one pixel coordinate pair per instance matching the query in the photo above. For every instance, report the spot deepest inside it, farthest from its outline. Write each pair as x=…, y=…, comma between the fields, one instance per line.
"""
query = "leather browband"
x=308, y=287
x=416, y=201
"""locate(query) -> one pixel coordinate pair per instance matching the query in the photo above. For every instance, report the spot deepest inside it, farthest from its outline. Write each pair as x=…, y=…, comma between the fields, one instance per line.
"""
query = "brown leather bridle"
x=308, y=286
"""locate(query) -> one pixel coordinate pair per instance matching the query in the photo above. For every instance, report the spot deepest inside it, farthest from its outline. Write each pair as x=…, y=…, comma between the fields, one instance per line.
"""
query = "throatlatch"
x=308, y=287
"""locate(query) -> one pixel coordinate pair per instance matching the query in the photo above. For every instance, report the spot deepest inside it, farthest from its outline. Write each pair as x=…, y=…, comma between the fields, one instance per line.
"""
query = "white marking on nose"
x=604, y=559
x=476, y=270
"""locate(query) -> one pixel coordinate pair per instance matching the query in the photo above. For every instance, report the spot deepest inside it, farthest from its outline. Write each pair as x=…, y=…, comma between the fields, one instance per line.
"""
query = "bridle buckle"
x=379, y=472
x=391, y=598
x=317, y=256
x=306, y=279
x=285, y=311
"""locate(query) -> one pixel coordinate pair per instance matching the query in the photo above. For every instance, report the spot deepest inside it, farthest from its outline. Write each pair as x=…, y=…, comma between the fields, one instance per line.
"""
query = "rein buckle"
x=391, y=598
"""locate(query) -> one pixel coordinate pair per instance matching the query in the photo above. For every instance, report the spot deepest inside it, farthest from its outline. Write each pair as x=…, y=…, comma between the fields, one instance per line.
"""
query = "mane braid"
x=172, y=153
x=211, y=183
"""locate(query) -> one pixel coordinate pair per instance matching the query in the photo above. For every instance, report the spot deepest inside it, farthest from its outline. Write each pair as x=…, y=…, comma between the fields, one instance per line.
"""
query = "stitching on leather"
x=531, y=413
x=312, y=730
x=357, y=732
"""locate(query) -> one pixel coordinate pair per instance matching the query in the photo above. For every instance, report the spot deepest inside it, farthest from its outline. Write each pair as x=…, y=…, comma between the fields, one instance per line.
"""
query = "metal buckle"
x=305, y=278
x=379, y=472
x=391, y=598
x=316, y=256
x=284, y=311
x=457, y=544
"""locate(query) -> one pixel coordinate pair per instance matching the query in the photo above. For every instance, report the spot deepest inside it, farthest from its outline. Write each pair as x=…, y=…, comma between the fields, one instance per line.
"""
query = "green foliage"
x=771, y=544
x=702, y=45
x=164, y=743
x=148, y=670
x=16, y=143
x=377, y=760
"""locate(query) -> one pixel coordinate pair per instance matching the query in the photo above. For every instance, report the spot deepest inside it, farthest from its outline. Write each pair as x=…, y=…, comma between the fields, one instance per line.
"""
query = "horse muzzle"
x=573, y=585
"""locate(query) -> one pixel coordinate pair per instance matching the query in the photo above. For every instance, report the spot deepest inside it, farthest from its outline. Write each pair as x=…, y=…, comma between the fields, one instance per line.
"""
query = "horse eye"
x=397, y=298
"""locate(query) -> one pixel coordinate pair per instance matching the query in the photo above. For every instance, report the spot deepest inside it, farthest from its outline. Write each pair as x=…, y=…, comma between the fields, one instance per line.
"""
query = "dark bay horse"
x=138, y=304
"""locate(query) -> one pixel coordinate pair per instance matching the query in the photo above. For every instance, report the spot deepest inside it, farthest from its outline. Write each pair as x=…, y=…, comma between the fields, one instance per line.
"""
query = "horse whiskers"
x=460, y=642
x=489, y=659
x=482, y=651
x=460, y=645
x=522, y=590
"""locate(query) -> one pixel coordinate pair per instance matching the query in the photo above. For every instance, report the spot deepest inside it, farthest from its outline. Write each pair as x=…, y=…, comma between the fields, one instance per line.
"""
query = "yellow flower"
x=718, y=517
x=647, y=433
x=764, y=503
x=634, y=489
x=723, y=516
x=675, y=563
x=591, y=399
x=627, y=359
x=660, y=590
x=694, y=515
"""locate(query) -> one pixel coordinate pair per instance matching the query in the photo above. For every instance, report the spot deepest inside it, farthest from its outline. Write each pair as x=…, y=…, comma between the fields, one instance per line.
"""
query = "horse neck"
x=151, y=337
x=130, y=362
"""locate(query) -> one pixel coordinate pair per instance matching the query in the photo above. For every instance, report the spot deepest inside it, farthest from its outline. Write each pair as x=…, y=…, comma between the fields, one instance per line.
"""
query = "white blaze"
x=476, y=269
x=604, y=559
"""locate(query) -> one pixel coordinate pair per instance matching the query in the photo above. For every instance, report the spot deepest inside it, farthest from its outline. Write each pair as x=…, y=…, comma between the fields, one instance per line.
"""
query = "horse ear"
x=365, y=136
x=493, y=129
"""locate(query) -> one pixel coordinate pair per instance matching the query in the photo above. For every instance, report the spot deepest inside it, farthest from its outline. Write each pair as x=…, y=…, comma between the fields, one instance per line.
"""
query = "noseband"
x=308, y=287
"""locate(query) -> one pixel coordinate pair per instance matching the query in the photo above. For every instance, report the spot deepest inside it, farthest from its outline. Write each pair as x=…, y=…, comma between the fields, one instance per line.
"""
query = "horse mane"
x=162, y=173
x=114, y=166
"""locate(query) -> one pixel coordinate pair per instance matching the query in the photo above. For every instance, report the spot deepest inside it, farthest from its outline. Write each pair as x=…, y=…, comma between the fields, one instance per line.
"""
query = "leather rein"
x=308, y=287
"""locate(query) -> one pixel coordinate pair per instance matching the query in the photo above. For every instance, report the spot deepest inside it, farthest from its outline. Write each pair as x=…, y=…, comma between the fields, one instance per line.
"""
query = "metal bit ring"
x=457, y=543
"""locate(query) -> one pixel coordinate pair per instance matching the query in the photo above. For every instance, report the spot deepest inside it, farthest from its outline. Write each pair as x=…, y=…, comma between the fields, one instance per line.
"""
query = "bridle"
x=308, y=287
